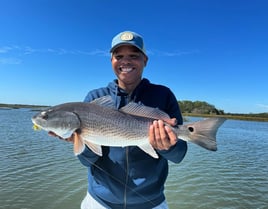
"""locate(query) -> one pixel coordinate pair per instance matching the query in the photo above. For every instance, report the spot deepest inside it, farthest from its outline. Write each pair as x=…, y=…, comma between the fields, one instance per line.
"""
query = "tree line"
x=199, y=107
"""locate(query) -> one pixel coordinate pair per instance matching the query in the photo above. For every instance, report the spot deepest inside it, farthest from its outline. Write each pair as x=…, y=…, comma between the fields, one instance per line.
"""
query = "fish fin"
x=79, y=146
x=105, y=101
x=203, y=133
x=140, y=110
x=94, y=147
x=148, y=149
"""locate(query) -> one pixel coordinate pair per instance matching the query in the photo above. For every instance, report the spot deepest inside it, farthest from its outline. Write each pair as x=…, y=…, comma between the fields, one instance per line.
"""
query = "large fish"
x=100, y=123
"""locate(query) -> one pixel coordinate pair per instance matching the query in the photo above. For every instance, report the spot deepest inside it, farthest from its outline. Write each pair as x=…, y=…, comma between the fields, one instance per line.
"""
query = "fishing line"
x=121, y=182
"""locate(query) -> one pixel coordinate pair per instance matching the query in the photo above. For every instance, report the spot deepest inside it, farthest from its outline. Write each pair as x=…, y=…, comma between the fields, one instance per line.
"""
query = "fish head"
x=62, y=123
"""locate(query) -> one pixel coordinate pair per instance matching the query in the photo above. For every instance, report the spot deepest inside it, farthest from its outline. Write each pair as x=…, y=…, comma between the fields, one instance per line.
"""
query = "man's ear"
x=145, y=60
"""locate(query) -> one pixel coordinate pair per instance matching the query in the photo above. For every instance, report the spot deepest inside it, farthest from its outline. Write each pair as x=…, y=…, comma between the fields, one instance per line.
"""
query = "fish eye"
x=191, y=129
x=44, y=115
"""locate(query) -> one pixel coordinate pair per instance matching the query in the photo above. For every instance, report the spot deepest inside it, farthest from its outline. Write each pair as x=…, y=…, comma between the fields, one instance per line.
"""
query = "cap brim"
x=126, y=44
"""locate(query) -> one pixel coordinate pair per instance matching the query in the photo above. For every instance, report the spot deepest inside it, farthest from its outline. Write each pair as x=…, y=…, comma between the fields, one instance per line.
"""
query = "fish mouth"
x=126, y=69
x=36, y=127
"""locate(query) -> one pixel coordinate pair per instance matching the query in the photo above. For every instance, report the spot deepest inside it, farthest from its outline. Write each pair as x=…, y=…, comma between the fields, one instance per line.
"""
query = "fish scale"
x=105, y=127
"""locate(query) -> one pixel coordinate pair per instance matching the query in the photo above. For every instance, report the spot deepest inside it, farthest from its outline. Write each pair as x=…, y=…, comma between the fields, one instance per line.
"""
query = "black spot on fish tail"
x=191, y=129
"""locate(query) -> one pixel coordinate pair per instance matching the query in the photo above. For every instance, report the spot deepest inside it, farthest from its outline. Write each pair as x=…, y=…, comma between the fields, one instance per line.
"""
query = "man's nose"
x=125, y=60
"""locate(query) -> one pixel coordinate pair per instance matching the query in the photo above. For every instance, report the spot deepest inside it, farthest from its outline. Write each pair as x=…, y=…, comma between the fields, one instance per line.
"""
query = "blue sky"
x=55, y=51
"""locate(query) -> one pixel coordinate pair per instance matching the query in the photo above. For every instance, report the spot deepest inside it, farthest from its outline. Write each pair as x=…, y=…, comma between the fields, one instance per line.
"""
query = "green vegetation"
x=199, y=107
x=203, y=109
x=188, y=108
x=17, y=106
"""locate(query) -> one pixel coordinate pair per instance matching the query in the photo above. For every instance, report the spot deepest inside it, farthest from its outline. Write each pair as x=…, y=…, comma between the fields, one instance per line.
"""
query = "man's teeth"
x=126, y=69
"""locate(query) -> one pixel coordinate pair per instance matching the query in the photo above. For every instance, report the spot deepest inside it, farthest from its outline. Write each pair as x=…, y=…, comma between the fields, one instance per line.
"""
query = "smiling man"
x=127, y=177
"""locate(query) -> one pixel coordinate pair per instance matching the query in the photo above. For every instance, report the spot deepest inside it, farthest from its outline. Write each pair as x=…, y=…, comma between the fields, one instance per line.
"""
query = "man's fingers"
x=171, y=135
x=165, y=144
x=158, y=133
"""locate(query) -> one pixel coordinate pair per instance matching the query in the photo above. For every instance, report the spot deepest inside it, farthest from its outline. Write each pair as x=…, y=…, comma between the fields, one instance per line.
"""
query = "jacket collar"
x=118, y=94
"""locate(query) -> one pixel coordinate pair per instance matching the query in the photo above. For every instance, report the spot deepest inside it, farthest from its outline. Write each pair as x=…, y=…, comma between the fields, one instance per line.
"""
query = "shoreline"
x=246, y=117
x=262, y=117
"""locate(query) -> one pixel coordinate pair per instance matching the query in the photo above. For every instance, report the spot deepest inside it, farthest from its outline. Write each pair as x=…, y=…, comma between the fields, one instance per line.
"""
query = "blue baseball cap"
x=128, y=38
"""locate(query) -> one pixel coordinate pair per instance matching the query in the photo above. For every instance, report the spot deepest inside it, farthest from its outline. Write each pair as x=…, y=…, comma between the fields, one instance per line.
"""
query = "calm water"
x=40, y=172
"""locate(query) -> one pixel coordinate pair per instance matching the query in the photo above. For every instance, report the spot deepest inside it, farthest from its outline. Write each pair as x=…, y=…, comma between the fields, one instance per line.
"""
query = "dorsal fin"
x=140, y=110
x=105, y=101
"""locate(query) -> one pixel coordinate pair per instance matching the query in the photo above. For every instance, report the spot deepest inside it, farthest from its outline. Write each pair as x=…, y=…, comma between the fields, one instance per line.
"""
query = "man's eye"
x=134, y=56
x=118, y=57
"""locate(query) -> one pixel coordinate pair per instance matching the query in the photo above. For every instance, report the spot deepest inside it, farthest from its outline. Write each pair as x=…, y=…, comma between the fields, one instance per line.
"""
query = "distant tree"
x=199, y=107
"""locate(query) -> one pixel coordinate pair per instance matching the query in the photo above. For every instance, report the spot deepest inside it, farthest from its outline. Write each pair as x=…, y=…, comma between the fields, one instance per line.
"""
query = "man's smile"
x=126, y=69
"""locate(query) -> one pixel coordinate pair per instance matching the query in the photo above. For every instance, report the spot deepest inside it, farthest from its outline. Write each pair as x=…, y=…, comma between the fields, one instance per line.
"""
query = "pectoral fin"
x=94, y=147
x=149, y=150
x=79, y=146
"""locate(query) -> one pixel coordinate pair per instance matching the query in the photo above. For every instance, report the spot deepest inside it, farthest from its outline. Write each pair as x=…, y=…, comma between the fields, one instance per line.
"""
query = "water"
x=41, y=172
x=236, y=176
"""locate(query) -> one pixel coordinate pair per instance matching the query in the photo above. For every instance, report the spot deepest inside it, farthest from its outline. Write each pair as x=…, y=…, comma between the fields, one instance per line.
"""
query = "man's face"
x=128, y=64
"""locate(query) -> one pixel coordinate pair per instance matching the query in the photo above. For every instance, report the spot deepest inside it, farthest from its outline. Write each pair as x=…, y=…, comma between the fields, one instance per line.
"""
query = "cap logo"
x=126, y=36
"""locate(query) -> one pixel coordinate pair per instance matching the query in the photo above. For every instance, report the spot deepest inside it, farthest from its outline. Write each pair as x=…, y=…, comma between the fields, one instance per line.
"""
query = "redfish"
x=100, y=123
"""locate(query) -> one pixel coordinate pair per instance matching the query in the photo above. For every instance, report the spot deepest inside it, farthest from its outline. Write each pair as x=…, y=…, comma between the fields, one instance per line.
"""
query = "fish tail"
x=203, y=133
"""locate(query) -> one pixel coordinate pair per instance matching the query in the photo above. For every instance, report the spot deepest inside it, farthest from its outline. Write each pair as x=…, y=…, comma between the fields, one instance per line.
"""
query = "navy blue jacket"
x=127, y=177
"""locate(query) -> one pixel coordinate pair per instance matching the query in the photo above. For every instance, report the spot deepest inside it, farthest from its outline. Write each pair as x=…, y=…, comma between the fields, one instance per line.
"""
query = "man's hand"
x=161, y=137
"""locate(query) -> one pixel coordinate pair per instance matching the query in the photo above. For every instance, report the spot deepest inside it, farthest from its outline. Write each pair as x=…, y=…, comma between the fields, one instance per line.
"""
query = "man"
x=127, y=177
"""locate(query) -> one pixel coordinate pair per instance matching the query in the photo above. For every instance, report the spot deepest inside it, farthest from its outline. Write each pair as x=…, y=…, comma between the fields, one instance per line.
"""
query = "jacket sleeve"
x=88, y=157
x=176, y=153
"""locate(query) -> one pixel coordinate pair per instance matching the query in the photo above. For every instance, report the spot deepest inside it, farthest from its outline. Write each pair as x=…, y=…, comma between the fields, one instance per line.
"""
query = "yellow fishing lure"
x=36, y=127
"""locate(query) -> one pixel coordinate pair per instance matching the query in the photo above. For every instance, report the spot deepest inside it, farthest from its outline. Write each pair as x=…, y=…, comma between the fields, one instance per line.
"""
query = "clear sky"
x=55, y=51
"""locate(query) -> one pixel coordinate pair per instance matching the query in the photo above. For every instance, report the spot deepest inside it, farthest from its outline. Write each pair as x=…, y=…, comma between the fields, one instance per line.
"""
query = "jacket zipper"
x=126, y=182
x=127, y=100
